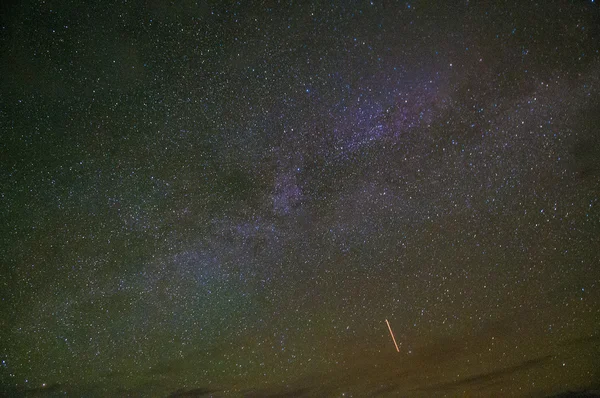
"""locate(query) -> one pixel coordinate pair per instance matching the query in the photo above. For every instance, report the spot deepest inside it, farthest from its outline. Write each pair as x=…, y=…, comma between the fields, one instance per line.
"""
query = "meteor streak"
x=392, y=334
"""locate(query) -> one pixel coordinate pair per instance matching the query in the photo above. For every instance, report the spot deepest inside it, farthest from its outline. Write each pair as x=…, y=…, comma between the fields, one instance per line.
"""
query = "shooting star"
x=392, y=334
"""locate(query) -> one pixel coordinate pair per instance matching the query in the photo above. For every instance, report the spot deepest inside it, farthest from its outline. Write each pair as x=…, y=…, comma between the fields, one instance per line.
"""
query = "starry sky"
x=229, y=199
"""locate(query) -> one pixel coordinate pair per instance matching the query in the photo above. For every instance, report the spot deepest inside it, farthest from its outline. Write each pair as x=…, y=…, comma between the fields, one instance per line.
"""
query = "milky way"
x=230, y=200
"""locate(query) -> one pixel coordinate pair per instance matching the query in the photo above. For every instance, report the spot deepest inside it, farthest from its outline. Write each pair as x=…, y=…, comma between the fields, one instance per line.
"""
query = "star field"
x=229, y=199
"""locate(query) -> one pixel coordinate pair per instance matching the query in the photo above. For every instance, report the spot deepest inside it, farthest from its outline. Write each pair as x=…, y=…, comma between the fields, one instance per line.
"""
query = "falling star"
x=392, y=334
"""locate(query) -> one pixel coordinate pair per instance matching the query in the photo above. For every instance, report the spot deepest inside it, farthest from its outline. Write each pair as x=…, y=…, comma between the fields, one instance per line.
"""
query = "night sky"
x=229, y=199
